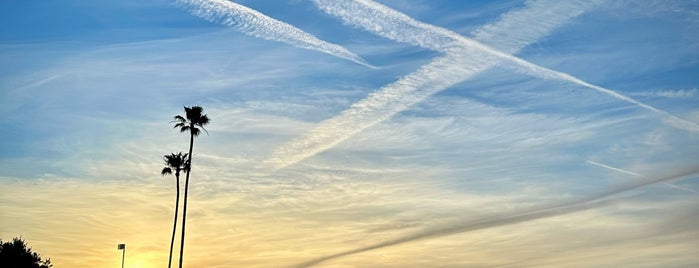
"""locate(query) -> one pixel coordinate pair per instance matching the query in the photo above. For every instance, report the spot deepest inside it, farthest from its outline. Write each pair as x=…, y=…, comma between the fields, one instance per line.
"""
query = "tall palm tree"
x=194, y=123
x=178, y=162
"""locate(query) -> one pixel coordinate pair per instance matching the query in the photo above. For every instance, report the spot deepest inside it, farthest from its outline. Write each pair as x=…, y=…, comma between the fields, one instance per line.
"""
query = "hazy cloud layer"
x=514, y=218
x=454, y=162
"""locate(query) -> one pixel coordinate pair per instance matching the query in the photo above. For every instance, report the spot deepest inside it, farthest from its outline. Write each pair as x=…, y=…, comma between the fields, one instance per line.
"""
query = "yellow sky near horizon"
x=78, y=224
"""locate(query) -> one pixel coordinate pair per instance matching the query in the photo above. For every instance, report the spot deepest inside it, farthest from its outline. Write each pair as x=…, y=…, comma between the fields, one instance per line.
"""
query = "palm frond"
x=166, y=171
x=202, y=120
x=195, y=131
x=186, y=167
x=179, y=119
x=175, y=161
x=207, y=132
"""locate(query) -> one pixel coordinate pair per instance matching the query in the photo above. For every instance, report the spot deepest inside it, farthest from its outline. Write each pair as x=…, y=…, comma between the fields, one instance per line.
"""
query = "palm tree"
x=178, y=162
x=193, y=122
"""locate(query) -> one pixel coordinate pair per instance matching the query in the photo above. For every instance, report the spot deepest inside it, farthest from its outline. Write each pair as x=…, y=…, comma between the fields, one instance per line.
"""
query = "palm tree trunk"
x=186, y=190
x=174, y=225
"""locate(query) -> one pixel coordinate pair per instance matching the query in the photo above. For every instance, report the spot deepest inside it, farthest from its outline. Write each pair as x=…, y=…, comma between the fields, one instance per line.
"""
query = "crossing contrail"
x=389, y=23
x=539, y=17
x=254, y=23
x=438, y=75
x=580, y=204
x=460, y=63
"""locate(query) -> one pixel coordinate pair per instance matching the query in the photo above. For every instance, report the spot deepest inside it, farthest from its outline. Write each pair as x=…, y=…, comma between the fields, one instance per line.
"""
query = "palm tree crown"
x=193, y=122
x=178, y=162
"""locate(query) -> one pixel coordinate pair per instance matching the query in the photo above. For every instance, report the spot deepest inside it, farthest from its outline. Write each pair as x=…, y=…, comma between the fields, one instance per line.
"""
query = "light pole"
x=122, y=247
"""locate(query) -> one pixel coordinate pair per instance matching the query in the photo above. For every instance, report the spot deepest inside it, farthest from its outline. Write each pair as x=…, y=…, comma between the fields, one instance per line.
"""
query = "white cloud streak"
x=384, y=21
x=637, y=175
x=539, y=16
x=580, y=204
x=40, y=82
x=377, y=107
x=679, y=93
x=460, y=63
x=670, y=119
x=614, y=169
x=389, y=23
x=254, y=23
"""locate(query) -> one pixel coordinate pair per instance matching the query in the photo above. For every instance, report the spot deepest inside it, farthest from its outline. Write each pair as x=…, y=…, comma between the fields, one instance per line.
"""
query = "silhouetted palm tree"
x=178, y=162
x=193, y=122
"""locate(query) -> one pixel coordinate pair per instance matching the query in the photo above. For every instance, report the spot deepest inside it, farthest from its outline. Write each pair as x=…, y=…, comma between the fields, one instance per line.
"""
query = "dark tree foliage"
x=17, y=254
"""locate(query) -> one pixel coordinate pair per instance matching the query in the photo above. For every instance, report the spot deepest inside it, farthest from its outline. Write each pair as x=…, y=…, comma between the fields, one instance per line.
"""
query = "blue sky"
x=355, y=133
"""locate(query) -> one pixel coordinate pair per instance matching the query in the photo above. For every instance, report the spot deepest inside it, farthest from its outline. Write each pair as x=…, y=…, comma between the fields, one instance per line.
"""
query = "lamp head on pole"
x=121, y=246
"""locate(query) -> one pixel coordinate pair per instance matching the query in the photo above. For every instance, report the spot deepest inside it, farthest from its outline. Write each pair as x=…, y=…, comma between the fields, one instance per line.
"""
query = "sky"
x=354, y=133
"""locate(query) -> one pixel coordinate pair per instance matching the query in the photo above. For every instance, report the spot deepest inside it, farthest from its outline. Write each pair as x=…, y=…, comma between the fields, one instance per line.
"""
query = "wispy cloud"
x=389, y=23
x=679, y=93
x=460, y=63
x=636, y=175
x=485, y=150
x=614, y=169
x=377, y=107
x=397, y=26
x=580, y=204
x=40, y=82
x=540, y=17
x=254, y=23
x=538, y=71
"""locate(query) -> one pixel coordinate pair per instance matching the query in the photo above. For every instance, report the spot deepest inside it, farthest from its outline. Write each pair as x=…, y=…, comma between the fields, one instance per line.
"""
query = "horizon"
x=391, y=133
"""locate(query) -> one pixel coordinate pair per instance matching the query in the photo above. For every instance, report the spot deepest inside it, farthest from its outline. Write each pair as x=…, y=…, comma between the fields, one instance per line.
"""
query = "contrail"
x=539, y=17
x=546, y=212
x=438, y=75
x=384, y=21
x=637, y=175
x=40, y=82
x=615, y=169
x=460, y=63
x=254, y=23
